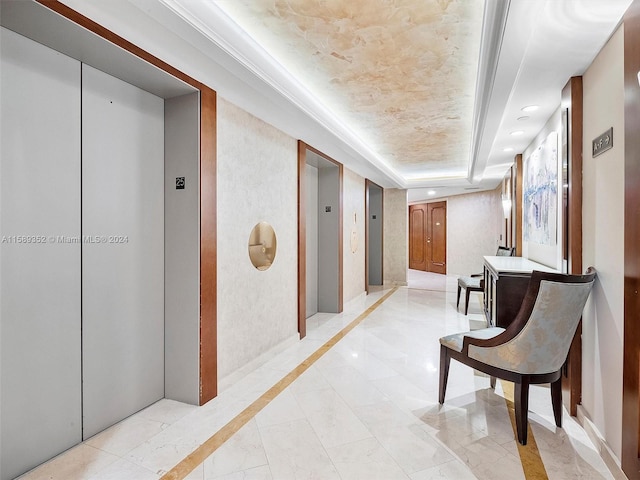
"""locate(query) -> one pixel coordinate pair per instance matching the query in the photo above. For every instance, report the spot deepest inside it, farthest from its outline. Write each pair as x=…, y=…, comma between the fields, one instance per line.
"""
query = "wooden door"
x=417, y=237
x=428, y=237
x=437, y=237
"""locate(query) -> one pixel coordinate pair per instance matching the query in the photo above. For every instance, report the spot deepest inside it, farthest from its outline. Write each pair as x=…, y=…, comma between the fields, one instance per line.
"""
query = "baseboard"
x=260, y=360
x=394, y=283
x=609, y=458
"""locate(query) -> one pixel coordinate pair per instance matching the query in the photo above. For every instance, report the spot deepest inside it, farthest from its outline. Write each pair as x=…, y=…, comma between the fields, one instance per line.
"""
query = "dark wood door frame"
x=302, y=234
x=208, y=248
x=631, y=363
x=431, y=243
x=517, y=202
x=302, y=239
x=509, y=191
x=572, y=101
x=413, y=264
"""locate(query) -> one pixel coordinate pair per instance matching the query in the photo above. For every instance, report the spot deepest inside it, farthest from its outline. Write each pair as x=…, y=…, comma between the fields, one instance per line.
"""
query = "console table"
x=505, y=283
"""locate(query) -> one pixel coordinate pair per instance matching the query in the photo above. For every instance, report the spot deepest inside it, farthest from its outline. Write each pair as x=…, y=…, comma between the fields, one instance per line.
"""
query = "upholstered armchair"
x=475, y=282
x=532, y=349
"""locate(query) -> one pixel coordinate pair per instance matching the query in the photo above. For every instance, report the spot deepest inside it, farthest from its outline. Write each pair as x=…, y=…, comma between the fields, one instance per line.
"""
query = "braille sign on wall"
x=602, y=143
x=179, y=183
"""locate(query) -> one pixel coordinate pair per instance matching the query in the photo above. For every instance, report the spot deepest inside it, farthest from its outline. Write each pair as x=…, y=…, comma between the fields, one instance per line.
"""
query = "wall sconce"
x=506, y=206
x=262, y=246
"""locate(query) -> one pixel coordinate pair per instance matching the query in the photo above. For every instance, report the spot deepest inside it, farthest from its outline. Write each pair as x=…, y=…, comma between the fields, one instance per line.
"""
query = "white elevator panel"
x=311, y=208
x=123, y=249
x=40, y=376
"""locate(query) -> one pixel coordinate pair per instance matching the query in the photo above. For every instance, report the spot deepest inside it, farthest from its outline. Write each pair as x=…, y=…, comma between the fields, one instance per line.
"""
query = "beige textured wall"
x=396, y=237
x=257, y=181
x=353, y=224
x=474, y=224
x=603, y=243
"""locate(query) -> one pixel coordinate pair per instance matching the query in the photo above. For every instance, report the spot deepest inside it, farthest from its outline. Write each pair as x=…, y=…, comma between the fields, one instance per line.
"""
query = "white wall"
x=396, y=237
x=603, y=243
x=257, y=181
x=550, y=255
x=353, y=226
x=474, y=223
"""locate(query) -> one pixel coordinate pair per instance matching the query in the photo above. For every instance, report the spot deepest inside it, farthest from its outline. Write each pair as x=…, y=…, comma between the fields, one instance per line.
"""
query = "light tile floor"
x=366, y=409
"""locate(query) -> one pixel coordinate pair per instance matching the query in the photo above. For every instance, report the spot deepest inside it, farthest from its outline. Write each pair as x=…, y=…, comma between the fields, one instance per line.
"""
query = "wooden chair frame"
x=502, y=251
x=521, y=381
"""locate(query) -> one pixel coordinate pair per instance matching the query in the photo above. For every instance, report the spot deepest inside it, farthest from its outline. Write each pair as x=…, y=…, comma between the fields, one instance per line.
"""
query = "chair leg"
x=556, y=401
x=522, y=409
x=466, y=301
x=445, y=360
x=492, y=382
x=458, y=301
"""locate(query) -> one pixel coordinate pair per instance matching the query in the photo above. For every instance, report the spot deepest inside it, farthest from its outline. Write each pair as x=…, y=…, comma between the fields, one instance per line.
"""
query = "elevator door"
x=122, y=251
x=40, y=408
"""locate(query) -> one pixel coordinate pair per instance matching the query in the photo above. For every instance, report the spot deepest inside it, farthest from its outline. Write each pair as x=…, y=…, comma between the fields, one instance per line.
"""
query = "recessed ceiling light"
x=508, y=149
x=523, y=118
x=431, y=192
x=516, y=133
x=530, y=108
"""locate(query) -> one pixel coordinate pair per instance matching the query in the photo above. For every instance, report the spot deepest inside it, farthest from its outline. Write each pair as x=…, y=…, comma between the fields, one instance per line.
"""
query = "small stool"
x=470, y=284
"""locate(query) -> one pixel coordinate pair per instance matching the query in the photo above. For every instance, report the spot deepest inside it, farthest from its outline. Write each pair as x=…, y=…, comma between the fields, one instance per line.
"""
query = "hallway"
x=363, y=405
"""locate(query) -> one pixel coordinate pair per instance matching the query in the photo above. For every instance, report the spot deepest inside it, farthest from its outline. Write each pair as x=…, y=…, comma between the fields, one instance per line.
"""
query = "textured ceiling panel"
x=400, y=74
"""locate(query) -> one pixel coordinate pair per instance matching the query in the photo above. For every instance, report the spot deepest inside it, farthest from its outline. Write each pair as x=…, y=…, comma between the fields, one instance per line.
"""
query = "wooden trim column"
x=514, y=206
x=340, y=238
x=302, y=239
x=208, y=240
x=572, y=101
x=382, y=240
x=518, y=204
x=508, y=193
x=631, y=372
x=367, y=214
x=208, y=247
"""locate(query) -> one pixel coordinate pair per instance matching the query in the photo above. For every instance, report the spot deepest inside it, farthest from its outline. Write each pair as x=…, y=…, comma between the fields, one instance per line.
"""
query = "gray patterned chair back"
x=506, y=252
x=543, y=344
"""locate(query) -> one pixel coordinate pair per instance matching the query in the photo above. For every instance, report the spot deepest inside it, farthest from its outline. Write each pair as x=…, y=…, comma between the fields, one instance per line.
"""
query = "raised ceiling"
x=400, y=74
x=417, y=94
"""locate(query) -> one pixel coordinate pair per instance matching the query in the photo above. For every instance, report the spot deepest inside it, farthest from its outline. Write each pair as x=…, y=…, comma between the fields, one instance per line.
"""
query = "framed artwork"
x=540, y=187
